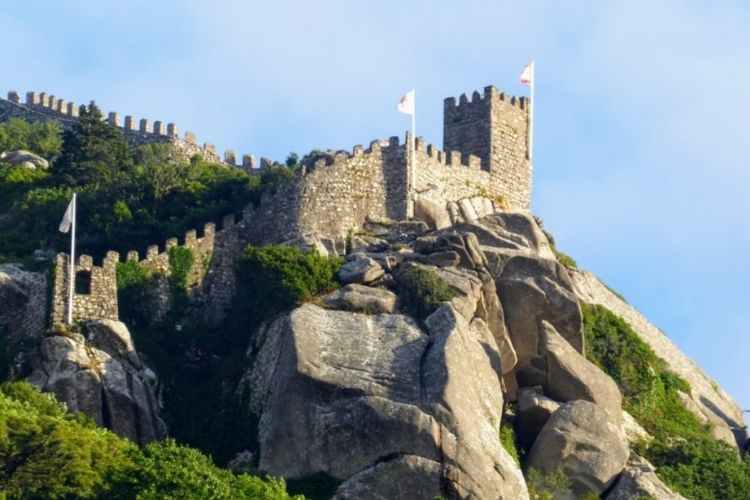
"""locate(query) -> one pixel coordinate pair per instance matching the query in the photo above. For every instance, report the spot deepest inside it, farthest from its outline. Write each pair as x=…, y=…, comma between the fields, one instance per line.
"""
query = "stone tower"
x=494, y=127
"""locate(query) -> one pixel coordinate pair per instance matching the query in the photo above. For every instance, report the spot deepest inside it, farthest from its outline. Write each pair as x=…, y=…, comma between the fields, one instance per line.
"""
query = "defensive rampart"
x=485, y=155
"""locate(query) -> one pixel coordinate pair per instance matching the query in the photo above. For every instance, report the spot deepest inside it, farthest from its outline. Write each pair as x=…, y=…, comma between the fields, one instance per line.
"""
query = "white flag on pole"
x=67, y=219
x=406, y=104
x=527, y=75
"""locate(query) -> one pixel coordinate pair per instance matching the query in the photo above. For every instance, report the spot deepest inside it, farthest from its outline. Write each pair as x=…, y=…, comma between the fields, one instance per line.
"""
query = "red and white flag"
x=527, y=75
x=406, y=104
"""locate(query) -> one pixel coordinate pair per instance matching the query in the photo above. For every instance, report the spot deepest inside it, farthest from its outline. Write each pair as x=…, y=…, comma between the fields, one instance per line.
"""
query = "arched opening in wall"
x=83, y=283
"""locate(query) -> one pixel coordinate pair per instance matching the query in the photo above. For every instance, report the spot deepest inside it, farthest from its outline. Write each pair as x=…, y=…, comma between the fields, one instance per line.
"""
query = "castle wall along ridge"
x=484, y=154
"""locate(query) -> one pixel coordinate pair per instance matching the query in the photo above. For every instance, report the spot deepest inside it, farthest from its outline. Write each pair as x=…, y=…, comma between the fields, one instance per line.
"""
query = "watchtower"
x=494, y=127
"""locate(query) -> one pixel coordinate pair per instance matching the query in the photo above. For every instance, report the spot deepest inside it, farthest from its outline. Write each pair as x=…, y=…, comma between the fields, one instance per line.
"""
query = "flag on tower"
x=527, y=75
x=67, y=219
x=406, y=104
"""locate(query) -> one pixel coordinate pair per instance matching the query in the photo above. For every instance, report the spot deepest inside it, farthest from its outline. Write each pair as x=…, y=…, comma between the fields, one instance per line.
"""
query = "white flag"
x=527, y=75
x=406, y=104
x=67, y=219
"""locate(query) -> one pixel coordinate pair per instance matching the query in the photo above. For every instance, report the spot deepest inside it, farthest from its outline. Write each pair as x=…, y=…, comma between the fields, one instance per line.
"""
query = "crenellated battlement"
x=487, y=98
x=493, y=126
x=43, y=106
x=484, y=156
x=95, y=287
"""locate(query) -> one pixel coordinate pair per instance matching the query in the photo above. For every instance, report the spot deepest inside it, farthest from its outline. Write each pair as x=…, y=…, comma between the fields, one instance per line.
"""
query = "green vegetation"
x=423, y=290
x=132, y=280
x=686, y=457
x=276, y=277
x=563, y=258
x=128, y=198
x=181, y=260
x=547, y=486
x=46, y=452
x=42, y=138
x=508, y=440
x=202, y=405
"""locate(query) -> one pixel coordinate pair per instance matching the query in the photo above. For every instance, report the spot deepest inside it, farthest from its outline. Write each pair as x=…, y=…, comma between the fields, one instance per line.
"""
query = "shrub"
x=46, y=452
x=686, y=458
x=547, y=486
x=274, y=278
x=181, y=260
x=132, y=280
x=423, y=290
x=701, y=468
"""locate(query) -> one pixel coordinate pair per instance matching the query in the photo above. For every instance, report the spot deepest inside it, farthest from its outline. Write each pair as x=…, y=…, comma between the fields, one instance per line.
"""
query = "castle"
x=484, y=157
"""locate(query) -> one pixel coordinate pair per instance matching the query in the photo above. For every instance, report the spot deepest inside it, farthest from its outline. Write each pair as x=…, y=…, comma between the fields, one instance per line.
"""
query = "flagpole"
x=72, y=275
x=531, y=111
x=414, y=155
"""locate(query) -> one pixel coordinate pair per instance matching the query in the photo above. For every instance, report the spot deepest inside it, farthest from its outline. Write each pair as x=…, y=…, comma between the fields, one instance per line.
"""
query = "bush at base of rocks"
x=49, y=453
x=423, y=290
x=282, y=276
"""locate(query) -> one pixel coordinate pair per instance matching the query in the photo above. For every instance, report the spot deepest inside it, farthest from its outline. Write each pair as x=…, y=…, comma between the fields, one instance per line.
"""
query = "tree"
x=95, y=153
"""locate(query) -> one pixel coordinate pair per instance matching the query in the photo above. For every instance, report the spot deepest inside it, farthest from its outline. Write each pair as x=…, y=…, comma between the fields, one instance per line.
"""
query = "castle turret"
x=494, y=127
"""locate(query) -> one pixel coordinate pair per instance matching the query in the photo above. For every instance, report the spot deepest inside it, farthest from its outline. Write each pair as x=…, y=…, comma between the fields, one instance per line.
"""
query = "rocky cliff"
x=398, y=384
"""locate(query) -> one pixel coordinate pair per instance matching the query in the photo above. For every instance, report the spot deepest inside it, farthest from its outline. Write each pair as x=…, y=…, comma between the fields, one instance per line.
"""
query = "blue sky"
x=641, y=166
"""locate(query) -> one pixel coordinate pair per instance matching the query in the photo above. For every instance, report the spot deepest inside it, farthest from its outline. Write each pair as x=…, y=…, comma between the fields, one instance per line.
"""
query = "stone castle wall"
x=101, y=299
x=40, y=106
x=494, y=127
x=336, y=195
x=330, y=196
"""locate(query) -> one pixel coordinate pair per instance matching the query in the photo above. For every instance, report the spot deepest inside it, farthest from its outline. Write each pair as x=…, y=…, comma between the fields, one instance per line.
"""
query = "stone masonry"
x=99, y=300
x=42, y=106
x=485, y=156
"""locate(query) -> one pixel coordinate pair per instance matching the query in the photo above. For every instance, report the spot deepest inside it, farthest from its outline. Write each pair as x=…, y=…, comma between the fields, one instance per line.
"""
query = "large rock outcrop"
x=639, y=480
x=374, y=400
x=101, y=375
x=568, y=375
x=23, y=303
x=26, y=158
x=581, y=439
x=533, y=290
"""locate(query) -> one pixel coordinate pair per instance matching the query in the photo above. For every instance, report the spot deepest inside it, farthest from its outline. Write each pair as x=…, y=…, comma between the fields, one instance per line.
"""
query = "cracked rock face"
x=23, y=301
x=581, y=439
x=103, y=377
x=639, y=480
x=370, y=399
x=533, y=290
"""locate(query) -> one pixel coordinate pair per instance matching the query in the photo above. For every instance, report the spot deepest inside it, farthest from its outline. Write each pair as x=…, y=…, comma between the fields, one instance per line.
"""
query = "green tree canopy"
x=95, y=153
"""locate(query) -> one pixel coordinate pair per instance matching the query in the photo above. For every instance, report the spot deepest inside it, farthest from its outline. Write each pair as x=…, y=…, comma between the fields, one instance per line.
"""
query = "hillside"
x=360, y=346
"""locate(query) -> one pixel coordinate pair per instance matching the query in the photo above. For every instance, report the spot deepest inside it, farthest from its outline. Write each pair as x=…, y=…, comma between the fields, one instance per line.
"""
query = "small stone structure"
x=486, y=155
x=95, y=288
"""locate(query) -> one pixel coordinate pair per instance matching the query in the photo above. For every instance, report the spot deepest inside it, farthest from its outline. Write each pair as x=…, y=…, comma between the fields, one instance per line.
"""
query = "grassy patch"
x=508, y=440
x=547, y=486
x=686, y=458
x=563, y=258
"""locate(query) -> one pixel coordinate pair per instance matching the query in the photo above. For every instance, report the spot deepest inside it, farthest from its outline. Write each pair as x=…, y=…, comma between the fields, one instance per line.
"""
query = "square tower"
x=494, y=127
